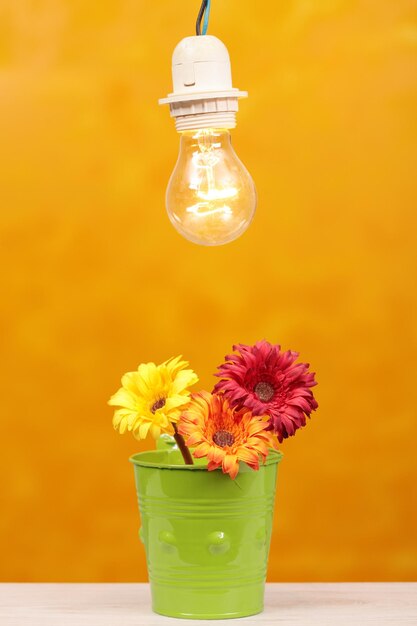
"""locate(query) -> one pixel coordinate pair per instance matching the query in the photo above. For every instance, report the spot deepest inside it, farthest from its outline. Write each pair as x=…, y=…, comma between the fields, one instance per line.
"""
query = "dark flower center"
x=223, y=438
x=158, y=405
x=264, y=391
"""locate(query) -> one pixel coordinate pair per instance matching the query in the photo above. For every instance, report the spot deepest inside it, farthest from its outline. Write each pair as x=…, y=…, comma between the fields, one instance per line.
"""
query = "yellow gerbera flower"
x=152, y=398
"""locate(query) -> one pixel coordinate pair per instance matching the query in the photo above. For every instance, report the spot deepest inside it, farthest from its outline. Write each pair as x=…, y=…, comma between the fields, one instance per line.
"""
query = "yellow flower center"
x=223, y=438
x=264, y=391
x=158, y=405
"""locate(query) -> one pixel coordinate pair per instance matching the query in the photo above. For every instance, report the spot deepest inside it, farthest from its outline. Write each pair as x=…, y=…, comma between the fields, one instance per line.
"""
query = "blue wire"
x=206, y=18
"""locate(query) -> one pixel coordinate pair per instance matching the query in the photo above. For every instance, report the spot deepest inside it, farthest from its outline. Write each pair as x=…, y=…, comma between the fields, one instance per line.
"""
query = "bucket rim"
x=274, y=456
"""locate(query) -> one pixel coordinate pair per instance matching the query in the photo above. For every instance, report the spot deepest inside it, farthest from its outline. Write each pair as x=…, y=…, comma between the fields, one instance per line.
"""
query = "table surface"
x=126, y=604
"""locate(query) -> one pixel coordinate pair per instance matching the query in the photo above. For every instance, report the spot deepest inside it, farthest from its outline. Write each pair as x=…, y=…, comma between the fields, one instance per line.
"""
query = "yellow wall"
x=94, y=279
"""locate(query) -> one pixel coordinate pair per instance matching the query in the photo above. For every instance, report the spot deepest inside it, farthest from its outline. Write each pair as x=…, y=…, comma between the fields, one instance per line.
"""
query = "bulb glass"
x=211, y=198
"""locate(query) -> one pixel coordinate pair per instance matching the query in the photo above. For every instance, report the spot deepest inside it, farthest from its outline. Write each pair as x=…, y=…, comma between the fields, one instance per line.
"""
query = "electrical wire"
x=203, y=12
x=200, y=17
x=206, y=17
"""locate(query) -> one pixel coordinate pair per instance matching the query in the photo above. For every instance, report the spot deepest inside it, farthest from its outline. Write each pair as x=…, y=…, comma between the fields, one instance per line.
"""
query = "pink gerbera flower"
x=268, y=382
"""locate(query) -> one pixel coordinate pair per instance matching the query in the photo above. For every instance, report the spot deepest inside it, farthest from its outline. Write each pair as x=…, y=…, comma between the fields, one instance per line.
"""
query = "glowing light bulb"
x=211, y=198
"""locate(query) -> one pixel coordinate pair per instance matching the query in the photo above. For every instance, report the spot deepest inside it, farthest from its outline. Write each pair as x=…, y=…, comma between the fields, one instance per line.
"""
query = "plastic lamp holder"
x=203, y=96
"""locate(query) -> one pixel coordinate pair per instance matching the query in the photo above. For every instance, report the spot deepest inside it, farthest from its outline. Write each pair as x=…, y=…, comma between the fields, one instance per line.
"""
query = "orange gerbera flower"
x=223, y=435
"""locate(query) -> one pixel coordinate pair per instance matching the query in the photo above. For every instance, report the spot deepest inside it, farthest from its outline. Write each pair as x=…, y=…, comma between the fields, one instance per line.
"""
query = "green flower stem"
x=186, y=454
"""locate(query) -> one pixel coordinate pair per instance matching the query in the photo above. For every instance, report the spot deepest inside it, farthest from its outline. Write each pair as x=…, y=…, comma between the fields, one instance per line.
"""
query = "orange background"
x=95, y=280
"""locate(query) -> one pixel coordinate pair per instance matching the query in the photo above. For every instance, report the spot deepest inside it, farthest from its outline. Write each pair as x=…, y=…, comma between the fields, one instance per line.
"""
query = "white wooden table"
x=292, y=604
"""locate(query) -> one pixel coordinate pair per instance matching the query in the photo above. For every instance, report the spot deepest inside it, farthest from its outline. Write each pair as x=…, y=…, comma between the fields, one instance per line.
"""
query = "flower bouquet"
x=206, y=494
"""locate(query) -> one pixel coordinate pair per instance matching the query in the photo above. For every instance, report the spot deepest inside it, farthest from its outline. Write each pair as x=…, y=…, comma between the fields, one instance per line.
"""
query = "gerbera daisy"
x=224, y=435
x=152, y=398
x=268, y=382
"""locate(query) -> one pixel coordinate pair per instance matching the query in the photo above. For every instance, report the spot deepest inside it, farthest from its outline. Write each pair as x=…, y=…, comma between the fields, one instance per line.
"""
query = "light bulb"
x=211, y=198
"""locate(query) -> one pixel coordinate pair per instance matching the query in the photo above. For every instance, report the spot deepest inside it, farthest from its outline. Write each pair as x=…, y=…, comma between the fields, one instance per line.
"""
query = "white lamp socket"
x=203, y=96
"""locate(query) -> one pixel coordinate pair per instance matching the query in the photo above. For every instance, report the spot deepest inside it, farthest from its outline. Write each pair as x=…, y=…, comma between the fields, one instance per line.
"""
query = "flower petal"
x=201, y=450
x=123, y=398
x=248, y=456
x=193, y=439
x=230, y=465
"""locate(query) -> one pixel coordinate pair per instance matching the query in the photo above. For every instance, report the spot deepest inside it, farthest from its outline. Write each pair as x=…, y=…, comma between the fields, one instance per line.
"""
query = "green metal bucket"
x=206, y=536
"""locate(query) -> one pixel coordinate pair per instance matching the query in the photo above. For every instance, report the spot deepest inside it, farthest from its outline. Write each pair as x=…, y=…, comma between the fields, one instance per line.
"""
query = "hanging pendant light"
x=211, y=197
